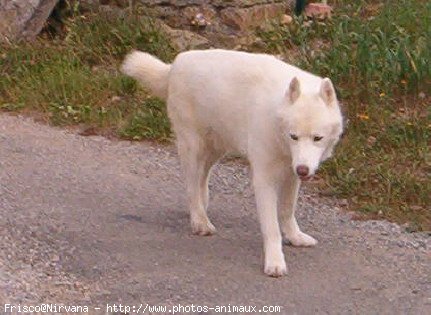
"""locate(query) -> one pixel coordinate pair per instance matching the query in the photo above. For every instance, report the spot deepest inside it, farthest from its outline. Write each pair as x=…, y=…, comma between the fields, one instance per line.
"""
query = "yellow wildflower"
x=363, y=116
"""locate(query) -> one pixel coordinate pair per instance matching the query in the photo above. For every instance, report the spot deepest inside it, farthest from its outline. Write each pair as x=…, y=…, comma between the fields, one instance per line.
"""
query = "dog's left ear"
x=327, y=92
x=294, y=90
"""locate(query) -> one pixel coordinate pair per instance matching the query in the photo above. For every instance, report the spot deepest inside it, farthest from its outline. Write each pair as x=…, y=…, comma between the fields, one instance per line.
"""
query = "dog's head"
x=311, y=125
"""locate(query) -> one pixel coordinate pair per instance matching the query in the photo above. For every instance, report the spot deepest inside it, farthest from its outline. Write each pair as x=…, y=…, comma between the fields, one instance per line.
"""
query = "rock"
x=200, y=20
x=286, y=19
x=243, y=19
x=247, y=3
x=319, y=10
x=119, y=3
x=178, y=3
x=116, y=99
x=344, y=202
x=23, y=18
x=371, y=140
x=54, y=258
x=87, y=5
x=183, y=40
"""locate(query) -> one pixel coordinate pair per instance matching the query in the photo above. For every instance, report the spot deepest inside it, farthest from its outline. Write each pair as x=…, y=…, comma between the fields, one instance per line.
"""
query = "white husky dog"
x=283, y=119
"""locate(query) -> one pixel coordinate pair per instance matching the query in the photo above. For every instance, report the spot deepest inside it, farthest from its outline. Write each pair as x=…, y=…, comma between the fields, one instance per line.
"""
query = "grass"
x=376, y=52
x=74, y=80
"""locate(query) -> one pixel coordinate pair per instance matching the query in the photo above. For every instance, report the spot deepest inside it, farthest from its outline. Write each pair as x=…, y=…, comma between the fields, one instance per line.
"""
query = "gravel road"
x=90, y=221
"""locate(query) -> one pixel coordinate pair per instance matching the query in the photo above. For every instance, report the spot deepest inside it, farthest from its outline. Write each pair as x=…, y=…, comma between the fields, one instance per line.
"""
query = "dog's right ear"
x=292, y=94
x=327, y=92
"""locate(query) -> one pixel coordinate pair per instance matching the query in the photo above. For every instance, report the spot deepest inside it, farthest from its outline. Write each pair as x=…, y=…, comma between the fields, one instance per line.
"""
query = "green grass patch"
x=377, y=54
x=75, y=80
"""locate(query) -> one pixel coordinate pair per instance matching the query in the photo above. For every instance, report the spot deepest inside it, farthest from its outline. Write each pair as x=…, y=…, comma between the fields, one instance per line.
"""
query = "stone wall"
x=216, y=20
x=233, y=15
x=224, y=22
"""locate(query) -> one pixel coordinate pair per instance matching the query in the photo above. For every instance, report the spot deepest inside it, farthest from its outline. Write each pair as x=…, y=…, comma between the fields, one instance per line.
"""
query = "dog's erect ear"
x=327, y=92
x=294, y=90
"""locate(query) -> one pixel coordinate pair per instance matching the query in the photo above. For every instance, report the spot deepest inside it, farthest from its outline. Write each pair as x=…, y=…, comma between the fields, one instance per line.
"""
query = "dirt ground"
x=89, y=221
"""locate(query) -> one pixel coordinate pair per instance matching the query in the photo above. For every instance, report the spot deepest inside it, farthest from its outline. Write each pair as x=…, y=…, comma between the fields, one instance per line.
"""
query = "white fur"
x=223, y=101
x=149, y=70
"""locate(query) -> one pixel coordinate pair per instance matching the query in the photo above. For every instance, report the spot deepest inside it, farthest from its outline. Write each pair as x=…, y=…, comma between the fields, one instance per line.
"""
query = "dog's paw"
x=275, y=269
x=203, y=228
x=302, y=240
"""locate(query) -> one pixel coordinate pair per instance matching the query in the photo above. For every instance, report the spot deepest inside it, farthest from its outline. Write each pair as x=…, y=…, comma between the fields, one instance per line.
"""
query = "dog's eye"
x=317, y=138
x=293, y=137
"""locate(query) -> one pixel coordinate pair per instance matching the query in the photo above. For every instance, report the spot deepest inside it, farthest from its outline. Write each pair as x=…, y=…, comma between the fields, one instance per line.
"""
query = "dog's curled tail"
x=148, y=70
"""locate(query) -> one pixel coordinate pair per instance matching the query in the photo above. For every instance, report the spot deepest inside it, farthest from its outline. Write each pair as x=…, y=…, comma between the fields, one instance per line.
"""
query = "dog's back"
x=230, y=75
x=229, y=92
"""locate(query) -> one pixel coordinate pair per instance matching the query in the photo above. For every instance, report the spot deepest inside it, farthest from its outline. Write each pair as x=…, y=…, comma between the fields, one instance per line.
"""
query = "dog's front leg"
x=265, y=186
x=288, y=199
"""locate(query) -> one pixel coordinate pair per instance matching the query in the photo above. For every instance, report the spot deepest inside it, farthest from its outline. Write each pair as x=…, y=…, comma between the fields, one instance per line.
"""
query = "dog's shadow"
x=162, y=220
x=178, y=221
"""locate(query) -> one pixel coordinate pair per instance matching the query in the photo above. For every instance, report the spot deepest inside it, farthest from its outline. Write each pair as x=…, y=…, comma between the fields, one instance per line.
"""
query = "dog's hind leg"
x=287, y=204
x=210, y=158
x=196, y=162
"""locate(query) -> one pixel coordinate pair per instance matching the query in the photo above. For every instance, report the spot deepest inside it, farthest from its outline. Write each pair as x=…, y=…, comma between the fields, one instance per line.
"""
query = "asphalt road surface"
x=90, y=221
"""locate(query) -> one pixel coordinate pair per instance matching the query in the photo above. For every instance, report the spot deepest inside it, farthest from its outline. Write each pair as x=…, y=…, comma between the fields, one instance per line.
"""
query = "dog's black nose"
x=302, y=170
